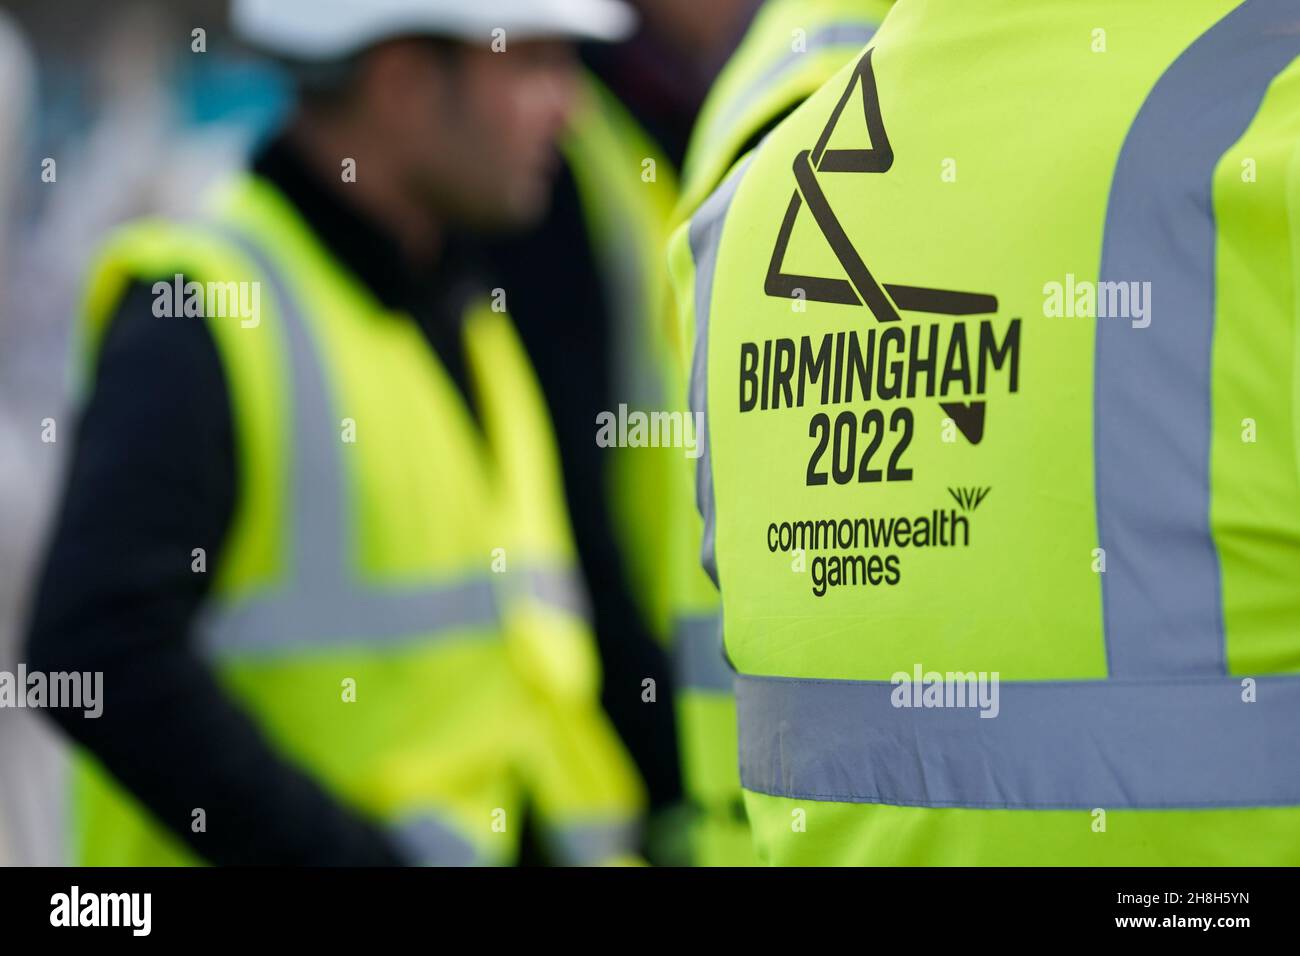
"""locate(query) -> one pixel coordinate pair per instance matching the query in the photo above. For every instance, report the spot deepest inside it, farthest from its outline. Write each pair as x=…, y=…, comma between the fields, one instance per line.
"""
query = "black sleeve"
x=152, y=477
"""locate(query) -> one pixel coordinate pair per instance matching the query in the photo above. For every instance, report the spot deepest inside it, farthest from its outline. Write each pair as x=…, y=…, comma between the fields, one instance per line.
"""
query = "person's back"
x=997, y=344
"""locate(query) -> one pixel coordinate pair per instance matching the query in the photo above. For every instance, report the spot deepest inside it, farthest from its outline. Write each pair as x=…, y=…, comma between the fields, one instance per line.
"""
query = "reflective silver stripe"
x=429, y=841
x=699, y=654
x=321, y=605
x=592, y=843
x=1152, y=416
x=560, y=588
x=286, y=624
x=705, y=234
x=851, y=35
x=1054, y=745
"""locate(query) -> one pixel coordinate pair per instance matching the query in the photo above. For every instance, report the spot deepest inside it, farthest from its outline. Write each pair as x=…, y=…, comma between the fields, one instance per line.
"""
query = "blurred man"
x=588, y=289
x=314, y=534
x=586, y=286
x=1000, y=489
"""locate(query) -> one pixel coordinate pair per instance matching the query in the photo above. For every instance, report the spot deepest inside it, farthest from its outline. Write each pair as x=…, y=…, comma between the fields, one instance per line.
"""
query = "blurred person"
x=1007, y=581
x=791, y=48
x=587, y=287
x=314, y=534
x=664, y=72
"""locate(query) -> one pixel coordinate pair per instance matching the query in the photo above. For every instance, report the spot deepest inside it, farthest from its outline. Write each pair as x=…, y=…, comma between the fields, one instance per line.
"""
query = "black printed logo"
x=968, y=499
x=858, y=286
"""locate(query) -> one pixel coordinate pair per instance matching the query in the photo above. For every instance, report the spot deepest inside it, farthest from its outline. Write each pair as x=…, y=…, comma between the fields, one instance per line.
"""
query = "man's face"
x=482, y=128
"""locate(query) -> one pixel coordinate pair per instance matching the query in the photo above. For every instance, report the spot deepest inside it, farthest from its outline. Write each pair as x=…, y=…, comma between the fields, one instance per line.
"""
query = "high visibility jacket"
x=396, y=604
x=790, y=50
x=628, y=189
x=995, y=340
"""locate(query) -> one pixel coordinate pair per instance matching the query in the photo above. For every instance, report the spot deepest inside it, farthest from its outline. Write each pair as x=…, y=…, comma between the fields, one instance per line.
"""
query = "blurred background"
x=136, y=125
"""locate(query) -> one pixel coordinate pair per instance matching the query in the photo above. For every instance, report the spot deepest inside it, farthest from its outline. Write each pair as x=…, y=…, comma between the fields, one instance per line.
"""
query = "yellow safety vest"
x=396, y=604
x=995, y=336
x=628, y=189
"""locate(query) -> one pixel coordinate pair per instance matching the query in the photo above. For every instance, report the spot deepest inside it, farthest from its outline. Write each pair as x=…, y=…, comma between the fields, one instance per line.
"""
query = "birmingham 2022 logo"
x=946, y=360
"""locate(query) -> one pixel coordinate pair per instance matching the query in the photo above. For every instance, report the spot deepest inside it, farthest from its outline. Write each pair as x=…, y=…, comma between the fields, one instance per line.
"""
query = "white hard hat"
x=333, y=29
